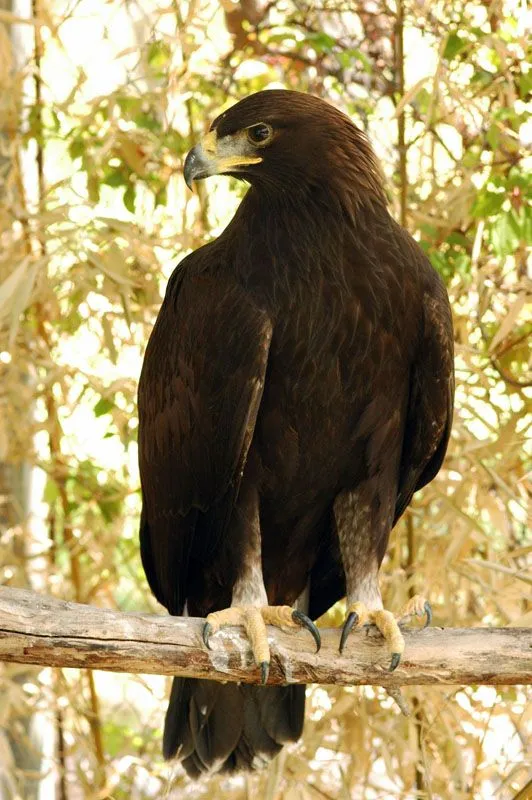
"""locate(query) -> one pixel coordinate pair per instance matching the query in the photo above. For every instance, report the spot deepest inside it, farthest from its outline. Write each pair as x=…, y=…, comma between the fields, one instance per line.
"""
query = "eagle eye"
x=259, y=133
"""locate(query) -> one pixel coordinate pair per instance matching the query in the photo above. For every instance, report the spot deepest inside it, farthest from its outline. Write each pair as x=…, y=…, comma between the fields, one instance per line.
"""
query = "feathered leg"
x=363, y=534
x=249, y=604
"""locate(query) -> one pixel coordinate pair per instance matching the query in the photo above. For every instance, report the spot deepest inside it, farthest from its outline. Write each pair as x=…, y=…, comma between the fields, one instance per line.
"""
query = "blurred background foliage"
x=99, y=103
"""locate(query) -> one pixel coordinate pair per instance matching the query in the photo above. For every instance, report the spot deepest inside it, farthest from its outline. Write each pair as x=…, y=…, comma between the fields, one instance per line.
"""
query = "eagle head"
x=280, y=141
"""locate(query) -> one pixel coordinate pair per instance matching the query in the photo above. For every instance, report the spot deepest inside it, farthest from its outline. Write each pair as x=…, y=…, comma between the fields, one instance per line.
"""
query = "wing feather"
x=430, y=405
x=199, y=394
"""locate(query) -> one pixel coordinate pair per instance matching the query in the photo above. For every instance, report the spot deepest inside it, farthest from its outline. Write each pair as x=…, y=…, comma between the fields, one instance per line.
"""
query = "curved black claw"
x=307, y=623
x=396, y=658
x=349, y=624
x=264, y=671
x=207, y=631
x=428, y=612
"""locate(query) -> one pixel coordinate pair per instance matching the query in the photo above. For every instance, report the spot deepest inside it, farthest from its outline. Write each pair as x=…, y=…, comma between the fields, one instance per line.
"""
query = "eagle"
x=296, y=390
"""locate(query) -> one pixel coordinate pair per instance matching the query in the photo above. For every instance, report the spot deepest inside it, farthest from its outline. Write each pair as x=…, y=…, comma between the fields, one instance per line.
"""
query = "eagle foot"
x=387, y=623
x=254, y=619
x=417, y=606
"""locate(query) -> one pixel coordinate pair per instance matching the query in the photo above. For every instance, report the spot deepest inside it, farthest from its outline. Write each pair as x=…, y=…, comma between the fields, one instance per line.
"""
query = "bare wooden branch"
x=49, y=632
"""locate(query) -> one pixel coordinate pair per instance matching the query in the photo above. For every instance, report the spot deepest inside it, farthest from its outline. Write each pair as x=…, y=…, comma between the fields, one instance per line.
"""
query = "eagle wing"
x=430, y=406
x=199, y=394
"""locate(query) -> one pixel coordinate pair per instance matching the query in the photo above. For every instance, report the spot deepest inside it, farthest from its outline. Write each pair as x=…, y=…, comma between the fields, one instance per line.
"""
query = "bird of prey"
x=297, y=389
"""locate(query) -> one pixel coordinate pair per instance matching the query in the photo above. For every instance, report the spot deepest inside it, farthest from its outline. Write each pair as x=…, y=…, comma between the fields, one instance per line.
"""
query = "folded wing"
x=199, y=394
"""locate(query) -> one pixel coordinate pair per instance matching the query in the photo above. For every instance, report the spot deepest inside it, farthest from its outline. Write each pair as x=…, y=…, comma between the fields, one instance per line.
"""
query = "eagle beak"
x=212, y=156
x=195, y=164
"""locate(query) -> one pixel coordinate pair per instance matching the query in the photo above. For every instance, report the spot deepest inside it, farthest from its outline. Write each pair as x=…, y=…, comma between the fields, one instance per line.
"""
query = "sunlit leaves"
x=123, y=144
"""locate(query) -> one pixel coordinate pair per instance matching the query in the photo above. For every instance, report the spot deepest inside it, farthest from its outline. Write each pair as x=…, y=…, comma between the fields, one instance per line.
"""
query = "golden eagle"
x=297, y=389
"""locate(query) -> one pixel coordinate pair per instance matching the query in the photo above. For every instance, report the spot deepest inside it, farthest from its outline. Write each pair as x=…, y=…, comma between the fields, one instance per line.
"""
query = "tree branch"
x=49, y=632
x=401, y=119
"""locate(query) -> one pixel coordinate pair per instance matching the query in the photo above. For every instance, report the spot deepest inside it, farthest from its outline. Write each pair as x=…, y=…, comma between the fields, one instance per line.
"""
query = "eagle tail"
x=229, y=727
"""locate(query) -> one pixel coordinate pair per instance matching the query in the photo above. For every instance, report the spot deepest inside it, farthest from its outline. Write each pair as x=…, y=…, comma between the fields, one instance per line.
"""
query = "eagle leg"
x=388, y=624
x=249, y=602
x=358, y=615
x=254, y=619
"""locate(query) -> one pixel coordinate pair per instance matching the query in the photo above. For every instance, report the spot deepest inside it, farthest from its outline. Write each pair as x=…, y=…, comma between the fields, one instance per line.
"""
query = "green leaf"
x=454, y=45
x=161, y=197
x=322, y=42
x=129, y=198
x=73, y=320
x=422, y=100
x=471, y=157
x=482, y=77
x=344, y=59
x=115, y=177
x=526, y=225
x=487, y=203
x=76, y=148
x=505, y=234
x=457, y=238
x=103, y=406
x=441, y=264
x=147, y=121
x=493, y=136
x=525, y=85
x=429, y=231
x=51, y=492
x=493, y=57
x=282, y=37
x=50, y=119
x=462, y=264
x=93, y=187
x=129, y=104
x=348, y=57
x=158, y=55
x=521, y=179
x=110, y=509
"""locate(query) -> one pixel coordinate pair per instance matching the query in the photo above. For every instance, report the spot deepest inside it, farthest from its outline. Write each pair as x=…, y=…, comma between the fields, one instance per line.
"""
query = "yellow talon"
x=387, y=623
x=254, y=619
x=417, y=606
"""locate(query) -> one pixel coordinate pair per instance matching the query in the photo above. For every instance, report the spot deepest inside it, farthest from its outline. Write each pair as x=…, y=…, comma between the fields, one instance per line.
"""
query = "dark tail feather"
x=228, y=727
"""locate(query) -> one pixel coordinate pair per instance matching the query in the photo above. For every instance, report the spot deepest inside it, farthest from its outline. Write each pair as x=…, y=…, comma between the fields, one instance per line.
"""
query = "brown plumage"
x=297, y=389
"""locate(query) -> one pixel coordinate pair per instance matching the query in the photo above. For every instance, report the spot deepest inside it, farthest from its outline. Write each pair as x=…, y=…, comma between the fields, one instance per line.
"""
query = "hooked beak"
x=212, y=156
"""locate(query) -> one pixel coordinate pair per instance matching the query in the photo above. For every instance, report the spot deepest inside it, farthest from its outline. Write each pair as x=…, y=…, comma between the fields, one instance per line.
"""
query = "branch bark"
x=49, y=632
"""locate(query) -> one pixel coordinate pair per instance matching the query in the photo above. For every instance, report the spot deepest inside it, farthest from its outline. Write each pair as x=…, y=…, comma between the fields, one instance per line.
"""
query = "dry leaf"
x=509, y=321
